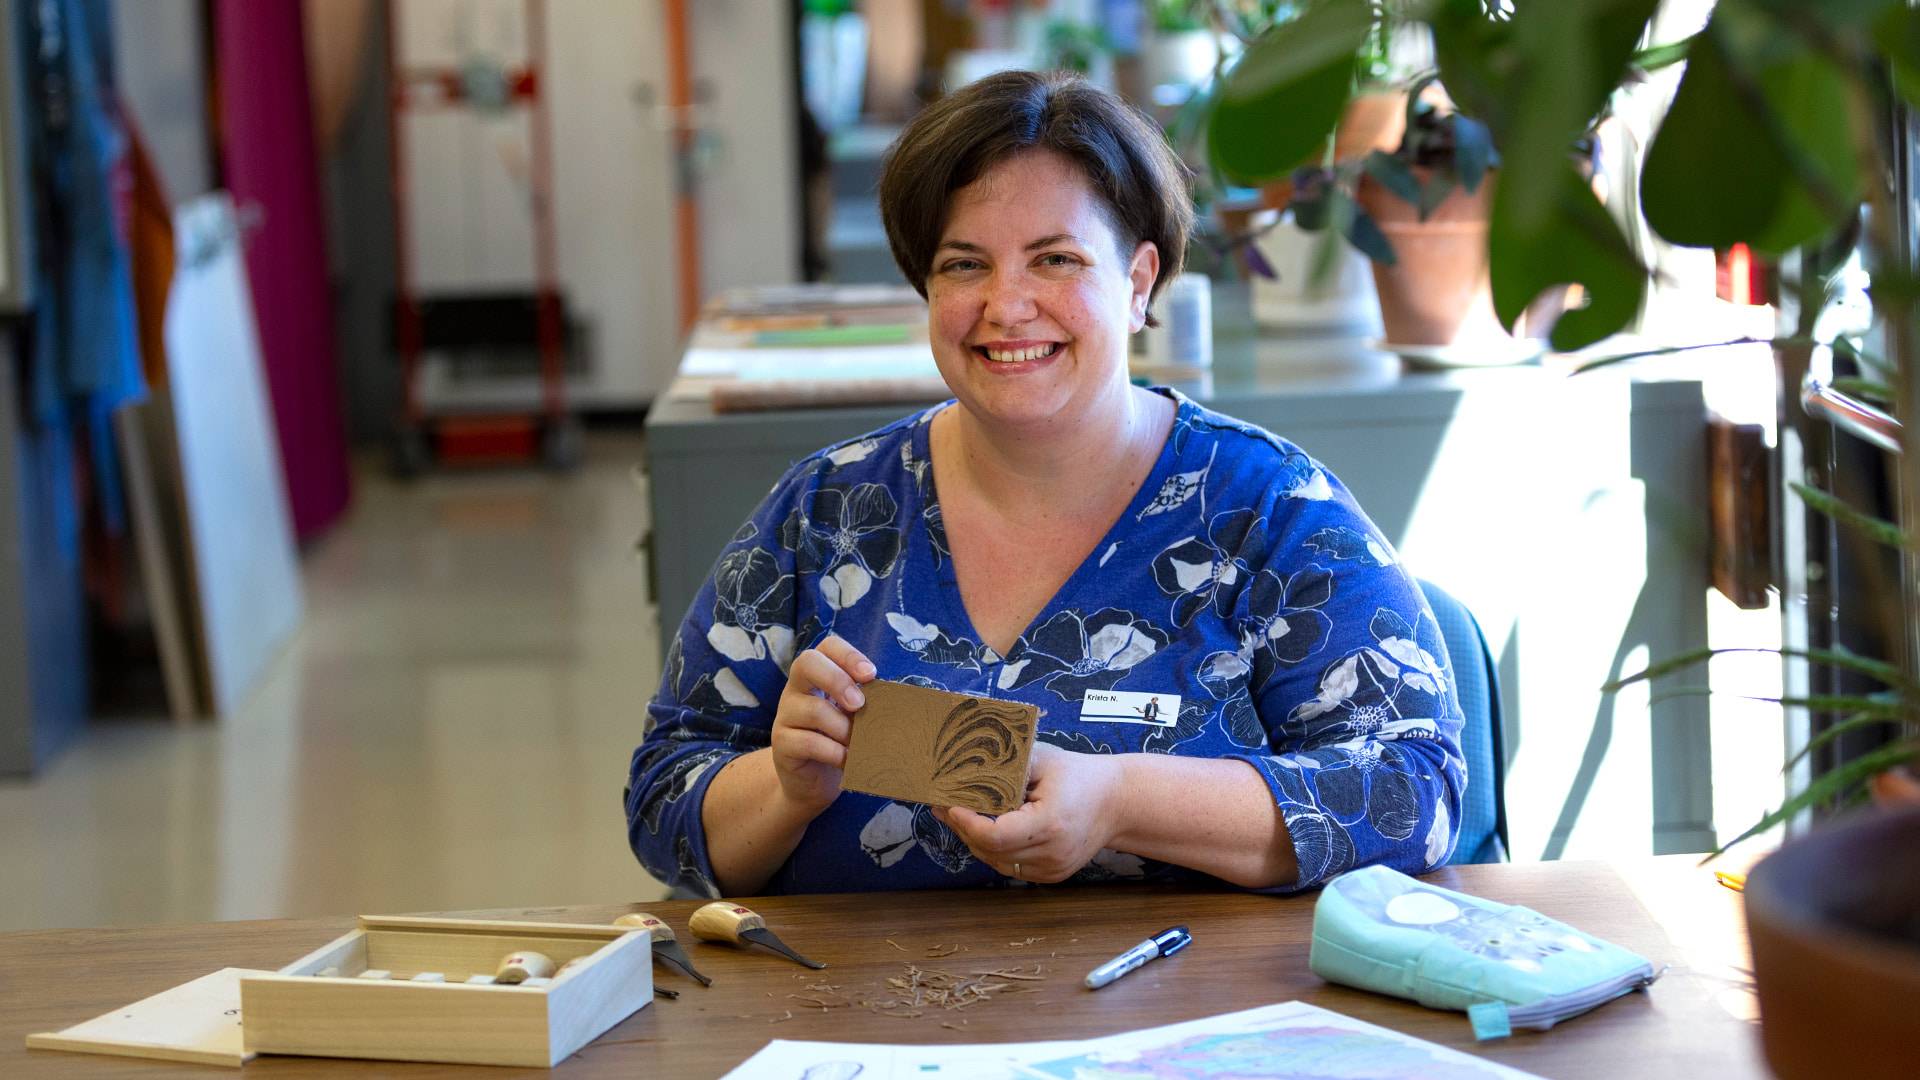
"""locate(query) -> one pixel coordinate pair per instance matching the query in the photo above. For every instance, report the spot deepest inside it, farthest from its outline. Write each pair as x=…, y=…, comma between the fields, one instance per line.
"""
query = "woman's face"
x=1031, y=299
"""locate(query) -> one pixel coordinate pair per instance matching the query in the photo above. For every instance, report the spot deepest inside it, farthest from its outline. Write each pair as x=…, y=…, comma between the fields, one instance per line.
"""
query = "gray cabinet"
x=1568, y=512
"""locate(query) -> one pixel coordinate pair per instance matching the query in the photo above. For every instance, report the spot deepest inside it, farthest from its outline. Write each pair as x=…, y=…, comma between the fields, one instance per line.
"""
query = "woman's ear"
x=1141, y=274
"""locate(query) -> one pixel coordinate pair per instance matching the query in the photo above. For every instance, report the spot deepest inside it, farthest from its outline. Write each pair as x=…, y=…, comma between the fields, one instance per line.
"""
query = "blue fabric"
x=1242, y=578
x=84, y=363
x=1483, y=819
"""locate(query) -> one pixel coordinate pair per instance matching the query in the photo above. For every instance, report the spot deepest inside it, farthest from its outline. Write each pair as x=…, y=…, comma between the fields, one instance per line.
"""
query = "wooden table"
x=1696, y=1022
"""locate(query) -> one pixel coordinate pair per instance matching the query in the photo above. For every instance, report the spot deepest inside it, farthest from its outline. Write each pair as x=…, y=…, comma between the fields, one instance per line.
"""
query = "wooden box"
x=299, y=1011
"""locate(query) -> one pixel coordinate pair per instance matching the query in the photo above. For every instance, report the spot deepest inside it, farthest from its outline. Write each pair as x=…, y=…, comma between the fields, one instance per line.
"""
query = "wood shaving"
x=941, y=952
x=1036, y=974
x=911, y=993
x=1023, y=944
x=782, y=1019
x=896, y=945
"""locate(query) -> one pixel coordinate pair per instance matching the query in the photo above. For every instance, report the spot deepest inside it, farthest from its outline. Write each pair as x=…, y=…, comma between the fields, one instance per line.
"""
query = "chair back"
x=1483, y=813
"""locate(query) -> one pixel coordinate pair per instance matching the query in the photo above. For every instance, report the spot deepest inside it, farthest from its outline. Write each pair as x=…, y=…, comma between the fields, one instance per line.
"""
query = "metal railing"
x=1850, y=414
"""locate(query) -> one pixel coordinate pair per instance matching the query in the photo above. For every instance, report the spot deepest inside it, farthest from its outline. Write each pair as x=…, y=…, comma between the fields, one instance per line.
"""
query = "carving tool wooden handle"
x=721, y=921
x=665, y=947
x=656, y=927
x=520, y=966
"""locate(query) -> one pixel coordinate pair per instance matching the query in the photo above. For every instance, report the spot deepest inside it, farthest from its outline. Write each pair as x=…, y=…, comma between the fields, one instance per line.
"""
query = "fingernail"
x=867, y=668
x=855, y=698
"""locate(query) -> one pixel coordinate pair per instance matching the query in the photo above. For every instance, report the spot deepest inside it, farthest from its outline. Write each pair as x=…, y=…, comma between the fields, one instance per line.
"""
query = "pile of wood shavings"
x=917, y=991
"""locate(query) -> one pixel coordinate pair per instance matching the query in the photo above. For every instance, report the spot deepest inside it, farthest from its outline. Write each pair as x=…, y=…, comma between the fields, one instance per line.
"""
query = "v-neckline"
x=958, y=615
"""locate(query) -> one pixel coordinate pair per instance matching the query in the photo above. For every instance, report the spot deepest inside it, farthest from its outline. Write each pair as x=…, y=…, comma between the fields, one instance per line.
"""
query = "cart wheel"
x=410, y=456
x=560, y=443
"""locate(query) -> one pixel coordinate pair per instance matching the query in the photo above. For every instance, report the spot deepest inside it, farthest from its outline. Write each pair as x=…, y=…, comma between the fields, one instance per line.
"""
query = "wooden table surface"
x=1697, y=1021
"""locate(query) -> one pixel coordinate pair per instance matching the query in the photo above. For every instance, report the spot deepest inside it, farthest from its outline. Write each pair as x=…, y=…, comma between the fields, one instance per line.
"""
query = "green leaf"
x=1834, y=14
x=1365, y=234
x=1280, y=103
x=1897, y=36
x=1852, y=723
x=1311, y=213
x=1439, y=185
x=1394, y=175
x=1472, y=151
x=1868, y=389
x=1877, y=529
x=1577, y=242
x=1659, y=56
x=1829, y=784
x=1476, y=58
x=1665, y=350
x=1840, y=703
x=1889, y=674
x=1573, y=54
x=1756, y=147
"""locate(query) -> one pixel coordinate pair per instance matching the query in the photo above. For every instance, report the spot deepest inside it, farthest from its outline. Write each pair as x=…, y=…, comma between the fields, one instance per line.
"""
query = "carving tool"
x=518, y=967
x=721, y=921
x=665, y=947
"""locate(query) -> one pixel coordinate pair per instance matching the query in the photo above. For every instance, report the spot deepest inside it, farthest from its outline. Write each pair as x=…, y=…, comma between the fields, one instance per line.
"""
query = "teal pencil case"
x=1505, y=966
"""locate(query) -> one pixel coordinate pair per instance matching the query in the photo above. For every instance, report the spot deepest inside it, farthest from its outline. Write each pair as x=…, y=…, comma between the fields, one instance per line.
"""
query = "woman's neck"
x=1063, y=467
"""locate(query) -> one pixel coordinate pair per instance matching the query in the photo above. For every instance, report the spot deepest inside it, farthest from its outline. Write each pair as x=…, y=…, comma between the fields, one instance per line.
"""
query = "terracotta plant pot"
x=1437, y=292
x=1896, y=787
x=1834, y=918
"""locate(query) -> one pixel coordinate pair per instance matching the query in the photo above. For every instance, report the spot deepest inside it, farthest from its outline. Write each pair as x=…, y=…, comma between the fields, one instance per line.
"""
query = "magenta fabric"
x=268, y=154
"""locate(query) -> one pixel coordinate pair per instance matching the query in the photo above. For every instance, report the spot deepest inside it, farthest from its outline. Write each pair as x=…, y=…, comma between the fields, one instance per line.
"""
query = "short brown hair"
x=955, y=140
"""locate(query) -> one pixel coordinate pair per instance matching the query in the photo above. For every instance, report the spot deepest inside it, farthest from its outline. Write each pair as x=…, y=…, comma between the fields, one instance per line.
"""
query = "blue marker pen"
x=1165, y=943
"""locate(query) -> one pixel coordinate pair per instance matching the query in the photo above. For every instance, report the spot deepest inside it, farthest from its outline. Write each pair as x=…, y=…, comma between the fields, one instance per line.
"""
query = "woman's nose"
x=1010, y=300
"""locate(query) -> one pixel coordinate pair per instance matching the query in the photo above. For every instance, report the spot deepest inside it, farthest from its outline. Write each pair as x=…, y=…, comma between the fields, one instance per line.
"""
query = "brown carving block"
x=929, y=746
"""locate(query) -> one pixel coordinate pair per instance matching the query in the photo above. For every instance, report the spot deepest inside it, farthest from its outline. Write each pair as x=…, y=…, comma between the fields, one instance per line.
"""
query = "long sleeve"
x=1350, y=677
x=724, y=672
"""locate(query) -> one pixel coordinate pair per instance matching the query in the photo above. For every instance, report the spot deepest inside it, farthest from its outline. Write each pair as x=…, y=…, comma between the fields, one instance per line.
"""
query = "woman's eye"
x=961, y=266
x=1058, y=259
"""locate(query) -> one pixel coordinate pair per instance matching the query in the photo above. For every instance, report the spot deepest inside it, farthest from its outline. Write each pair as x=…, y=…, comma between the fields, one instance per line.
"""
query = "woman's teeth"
x=1015, y=356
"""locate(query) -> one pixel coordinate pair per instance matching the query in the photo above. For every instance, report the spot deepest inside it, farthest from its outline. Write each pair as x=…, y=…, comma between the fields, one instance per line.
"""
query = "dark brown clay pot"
x=1834, y=918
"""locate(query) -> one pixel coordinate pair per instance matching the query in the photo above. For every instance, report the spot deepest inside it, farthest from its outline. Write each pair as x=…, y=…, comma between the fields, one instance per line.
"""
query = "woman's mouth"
x=1017, y=354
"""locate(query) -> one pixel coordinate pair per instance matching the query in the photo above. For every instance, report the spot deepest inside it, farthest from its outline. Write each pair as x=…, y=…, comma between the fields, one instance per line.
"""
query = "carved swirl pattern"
x=976, y=743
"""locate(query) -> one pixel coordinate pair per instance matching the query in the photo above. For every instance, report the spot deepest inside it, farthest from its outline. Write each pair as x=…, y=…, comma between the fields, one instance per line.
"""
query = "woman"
x=1052, y=535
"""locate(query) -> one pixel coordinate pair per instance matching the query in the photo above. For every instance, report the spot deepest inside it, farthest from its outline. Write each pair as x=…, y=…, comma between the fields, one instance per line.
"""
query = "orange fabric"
x=150, y=240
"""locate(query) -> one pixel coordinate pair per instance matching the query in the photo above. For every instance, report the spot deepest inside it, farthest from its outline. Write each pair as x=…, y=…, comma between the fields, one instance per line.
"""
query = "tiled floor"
x=449, y=729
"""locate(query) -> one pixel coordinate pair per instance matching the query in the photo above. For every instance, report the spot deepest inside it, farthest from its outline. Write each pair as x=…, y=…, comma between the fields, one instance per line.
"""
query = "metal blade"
x=663, y=992
x=676, y=957
x=766, y=938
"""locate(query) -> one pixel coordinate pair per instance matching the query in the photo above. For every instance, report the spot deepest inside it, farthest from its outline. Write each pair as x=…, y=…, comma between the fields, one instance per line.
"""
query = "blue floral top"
x=1243, y=594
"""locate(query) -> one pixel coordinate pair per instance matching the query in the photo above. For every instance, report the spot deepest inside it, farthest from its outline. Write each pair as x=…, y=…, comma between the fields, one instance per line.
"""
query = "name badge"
x=1119, y=707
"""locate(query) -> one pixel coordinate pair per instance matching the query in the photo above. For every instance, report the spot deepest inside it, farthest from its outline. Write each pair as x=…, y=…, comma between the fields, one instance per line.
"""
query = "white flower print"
x=846, y=535
x=899, y=828
x=852, y=452
x=751, y=597
x=1072, y=653
x=1439, y=837
x=934, y=645
x=1347, y=543
x=1196, y=571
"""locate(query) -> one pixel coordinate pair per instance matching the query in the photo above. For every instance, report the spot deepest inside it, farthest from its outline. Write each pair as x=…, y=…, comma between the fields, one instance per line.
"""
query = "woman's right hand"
x=812, y=727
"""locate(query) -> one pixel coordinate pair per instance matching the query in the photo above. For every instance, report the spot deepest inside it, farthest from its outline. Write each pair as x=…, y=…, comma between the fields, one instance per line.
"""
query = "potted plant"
x=1182, y=50
x=1778, y=138
x=1419, y=212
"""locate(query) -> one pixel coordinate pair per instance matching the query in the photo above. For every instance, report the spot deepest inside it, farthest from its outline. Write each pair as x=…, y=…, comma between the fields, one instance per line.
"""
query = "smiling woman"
x=1235, y=676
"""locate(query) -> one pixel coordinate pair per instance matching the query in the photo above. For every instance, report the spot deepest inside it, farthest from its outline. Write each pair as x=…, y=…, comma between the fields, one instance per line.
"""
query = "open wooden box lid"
x=201, y=1021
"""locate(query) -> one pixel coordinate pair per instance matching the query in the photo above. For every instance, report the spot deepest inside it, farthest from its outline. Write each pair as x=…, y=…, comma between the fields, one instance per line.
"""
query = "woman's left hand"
x=1072, y=811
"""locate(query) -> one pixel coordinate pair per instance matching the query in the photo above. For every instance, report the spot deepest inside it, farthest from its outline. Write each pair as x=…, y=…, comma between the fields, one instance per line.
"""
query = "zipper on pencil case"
x=1497, y=1019
x=1549, y=1011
